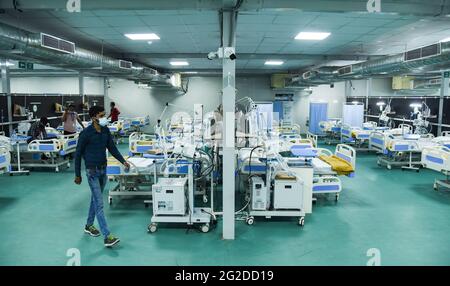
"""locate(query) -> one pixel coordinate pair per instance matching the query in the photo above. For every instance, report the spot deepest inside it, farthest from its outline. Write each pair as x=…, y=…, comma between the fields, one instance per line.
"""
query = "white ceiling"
x=257, y=33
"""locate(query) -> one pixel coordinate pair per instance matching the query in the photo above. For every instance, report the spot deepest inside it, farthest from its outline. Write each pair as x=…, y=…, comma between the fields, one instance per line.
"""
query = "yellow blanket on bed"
x=337, y=164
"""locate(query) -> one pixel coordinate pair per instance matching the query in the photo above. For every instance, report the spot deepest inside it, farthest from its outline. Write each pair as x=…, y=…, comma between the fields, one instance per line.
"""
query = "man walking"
x=92, y=145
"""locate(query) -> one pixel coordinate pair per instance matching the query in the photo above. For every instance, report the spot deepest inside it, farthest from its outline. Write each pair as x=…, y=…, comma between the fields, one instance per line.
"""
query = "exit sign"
x=25, y=65
x=447, y=74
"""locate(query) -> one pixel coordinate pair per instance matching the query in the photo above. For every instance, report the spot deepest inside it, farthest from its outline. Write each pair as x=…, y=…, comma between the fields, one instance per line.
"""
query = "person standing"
x=93, y=142
x=114, y=114
x=70, y=119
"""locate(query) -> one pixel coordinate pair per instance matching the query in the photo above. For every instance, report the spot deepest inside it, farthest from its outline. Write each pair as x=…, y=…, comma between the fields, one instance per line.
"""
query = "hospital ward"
x=225, y=133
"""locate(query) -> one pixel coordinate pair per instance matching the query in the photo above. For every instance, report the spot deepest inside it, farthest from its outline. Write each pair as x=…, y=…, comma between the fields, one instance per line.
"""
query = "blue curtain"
x=278, y=109
x=317, y=112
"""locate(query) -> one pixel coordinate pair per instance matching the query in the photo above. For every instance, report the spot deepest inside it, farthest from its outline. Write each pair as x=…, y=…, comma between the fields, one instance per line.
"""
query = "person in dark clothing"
x=114, y=114
x=37, y=130
x=92, y=144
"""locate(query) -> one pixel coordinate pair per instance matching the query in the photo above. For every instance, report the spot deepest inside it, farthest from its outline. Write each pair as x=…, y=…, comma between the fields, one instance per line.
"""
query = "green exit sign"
x=447, y=74
x=25, y=65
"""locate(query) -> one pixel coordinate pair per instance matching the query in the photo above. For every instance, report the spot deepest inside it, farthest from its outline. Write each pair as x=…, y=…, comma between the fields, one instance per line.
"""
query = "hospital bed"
x=405, y=151
x=378, y=140
x=288, y=129
x=136, y=181
x=252, y=161
x=438, y=159
x=327, y=167
x=444, y=139
x=332, y=130
x=52, y=132
x=55, y=149
x=137, y=123
x=360, y=136
x=5, y=159
x=140, y=143
x=60, y=128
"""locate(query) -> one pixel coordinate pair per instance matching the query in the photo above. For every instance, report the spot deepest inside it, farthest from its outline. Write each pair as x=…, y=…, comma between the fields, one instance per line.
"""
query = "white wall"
x=323, y=93
x=58, y=85
x=133, y=101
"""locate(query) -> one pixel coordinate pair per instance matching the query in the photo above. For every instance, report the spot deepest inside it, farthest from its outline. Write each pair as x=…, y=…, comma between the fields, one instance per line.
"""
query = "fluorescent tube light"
x=273, y=63
x=179, y=63
x=318, y=36
x=151, y=36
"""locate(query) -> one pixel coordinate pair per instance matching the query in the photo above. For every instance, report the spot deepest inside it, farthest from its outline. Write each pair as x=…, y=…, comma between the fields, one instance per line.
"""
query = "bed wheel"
x=301, y=221
x=435, y=187
x=337, y=197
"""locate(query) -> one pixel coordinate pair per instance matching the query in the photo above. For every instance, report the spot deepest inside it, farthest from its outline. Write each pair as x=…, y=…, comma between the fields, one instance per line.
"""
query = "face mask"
x=103, y=121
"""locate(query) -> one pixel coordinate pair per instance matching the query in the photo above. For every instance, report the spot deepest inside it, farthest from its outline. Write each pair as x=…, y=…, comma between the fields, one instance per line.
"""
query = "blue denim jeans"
x=97, y=180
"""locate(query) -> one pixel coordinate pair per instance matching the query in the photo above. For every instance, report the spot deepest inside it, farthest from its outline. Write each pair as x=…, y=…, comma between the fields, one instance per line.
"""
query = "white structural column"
x=105, y=88
x=81, y=90
x=444, y=92
x=228, y=103
x=368, y=95
x=6, y=88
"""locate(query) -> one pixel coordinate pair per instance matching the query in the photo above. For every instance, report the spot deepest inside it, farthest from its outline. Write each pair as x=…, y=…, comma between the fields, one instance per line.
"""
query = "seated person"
x=37, y=130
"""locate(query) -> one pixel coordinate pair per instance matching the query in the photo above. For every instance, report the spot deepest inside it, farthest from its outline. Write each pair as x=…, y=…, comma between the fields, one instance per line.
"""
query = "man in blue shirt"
x=92, y=144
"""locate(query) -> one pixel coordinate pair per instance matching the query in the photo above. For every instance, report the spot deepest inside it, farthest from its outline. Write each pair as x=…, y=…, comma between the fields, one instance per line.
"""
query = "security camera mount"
x=223, y=52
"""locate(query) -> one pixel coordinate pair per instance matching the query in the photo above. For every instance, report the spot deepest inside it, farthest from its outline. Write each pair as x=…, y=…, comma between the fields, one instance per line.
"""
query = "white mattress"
x=444, y=140
x=142, y=164
x=426, y=143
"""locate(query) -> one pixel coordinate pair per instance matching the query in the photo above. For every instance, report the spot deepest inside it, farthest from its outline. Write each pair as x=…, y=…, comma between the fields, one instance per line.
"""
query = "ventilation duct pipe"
x=18, y=44
x=413, y=61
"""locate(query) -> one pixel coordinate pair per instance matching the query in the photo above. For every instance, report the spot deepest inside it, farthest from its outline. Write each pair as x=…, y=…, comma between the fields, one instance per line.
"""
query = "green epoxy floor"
x=42, y=216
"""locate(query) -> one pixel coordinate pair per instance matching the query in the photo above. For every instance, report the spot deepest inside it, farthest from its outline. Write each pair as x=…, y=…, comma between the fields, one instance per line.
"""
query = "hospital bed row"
x=327, y=167
x=46, y=153
x=332, y=130
x=405, y=151
x=359, y=137
x=146, y=168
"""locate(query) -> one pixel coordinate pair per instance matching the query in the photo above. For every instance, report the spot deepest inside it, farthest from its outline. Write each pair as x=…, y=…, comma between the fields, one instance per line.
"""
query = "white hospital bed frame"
x=438, y=159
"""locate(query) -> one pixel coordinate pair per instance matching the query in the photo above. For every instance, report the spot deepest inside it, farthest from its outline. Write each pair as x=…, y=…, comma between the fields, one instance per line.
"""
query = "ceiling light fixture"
x=318, y=36
x=137, y=37
x=273, y=63
x=179, y=63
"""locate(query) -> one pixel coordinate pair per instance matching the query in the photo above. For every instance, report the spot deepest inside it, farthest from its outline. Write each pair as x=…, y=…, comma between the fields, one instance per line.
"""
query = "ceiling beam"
x=404, y=7
x=249, y=56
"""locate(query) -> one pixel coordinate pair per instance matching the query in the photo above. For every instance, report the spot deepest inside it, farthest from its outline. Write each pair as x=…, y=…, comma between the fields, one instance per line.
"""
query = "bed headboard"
x=347, y=153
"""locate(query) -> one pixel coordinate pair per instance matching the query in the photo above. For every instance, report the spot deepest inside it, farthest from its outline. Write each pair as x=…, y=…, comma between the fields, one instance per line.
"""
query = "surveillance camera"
x=212, y=55
x=229, y=53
